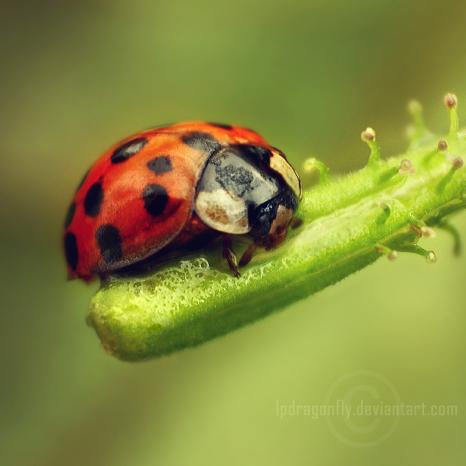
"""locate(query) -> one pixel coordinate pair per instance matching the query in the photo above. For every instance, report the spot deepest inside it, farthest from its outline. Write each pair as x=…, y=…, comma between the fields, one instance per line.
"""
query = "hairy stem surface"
x=348, y=223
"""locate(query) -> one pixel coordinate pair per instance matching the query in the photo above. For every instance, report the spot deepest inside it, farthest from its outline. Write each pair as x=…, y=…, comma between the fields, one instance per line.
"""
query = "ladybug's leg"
x=271, y=241
x=229, y=255
x=295, y=223
x=247, y=255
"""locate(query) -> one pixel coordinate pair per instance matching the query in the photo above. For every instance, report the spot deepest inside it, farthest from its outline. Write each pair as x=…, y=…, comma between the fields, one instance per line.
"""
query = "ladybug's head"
x=270, y=220
x=248, y=189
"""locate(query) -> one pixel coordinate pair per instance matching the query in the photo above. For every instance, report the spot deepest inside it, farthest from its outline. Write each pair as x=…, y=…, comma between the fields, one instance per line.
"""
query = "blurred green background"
x=310, y=75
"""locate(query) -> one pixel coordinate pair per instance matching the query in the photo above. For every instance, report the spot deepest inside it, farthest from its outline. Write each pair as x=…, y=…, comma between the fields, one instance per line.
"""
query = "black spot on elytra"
x=159, y=165
x=71, y=250
x=128, y=149
x=221, y=125
x=201, y=141
x=254, y=152
x=155, y=199
x=93, y=199
x=109, y=241
x=70, y=214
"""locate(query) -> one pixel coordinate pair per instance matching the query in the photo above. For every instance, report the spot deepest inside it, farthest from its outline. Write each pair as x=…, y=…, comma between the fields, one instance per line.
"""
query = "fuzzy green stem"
x=345, y=223
x=312, y=164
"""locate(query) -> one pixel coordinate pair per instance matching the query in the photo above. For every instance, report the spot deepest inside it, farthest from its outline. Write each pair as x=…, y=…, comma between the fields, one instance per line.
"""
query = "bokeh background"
x=309, y=75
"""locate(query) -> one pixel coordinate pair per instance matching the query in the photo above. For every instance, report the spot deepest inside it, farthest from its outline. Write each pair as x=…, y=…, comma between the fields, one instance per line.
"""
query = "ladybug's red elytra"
x=170, y=185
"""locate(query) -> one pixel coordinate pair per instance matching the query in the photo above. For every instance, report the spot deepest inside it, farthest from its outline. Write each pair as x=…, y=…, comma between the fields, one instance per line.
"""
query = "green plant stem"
x=193, y=299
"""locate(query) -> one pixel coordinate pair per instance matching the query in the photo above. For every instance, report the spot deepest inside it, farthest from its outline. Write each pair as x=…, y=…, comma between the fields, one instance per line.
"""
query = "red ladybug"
x=170, y=185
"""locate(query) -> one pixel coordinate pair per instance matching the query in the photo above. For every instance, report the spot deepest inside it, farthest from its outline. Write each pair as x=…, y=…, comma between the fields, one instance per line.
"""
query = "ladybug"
x=165, y=187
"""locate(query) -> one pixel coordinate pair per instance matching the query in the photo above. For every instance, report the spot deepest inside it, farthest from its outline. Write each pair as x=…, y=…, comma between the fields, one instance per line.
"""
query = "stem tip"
x=457, y=163
x=392, y=255
x=431, y=258
x=450, y=101
x=414, y=107
x=368, y=135
x=406, y=167
x=442, y=145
